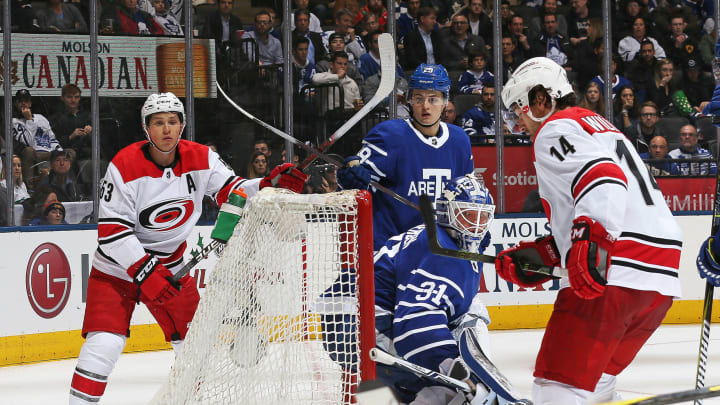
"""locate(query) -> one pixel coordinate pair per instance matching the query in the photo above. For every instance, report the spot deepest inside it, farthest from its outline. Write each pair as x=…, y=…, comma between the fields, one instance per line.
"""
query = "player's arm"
x=424, y=304
x=599, y=189
x=372, y=162
x=118, y=242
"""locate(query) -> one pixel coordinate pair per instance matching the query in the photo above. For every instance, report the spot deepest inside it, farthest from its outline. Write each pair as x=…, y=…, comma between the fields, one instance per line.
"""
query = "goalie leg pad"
x=474, y=356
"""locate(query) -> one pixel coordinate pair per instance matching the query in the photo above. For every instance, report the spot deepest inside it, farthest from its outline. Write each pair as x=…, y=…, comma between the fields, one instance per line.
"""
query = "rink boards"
x=45, y=274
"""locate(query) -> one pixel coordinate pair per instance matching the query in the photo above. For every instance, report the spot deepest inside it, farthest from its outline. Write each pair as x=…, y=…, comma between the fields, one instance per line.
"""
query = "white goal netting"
x=279, y=320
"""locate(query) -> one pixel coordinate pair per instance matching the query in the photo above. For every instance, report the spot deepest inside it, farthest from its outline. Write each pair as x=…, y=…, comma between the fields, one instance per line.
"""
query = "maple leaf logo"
x=13, y=70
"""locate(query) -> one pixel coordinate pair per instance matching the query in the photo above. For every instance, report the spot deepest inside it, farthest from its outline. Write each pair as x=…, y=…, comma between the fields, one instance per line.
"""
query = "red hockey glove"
x=285, y=176
x=589, y=257
x=154, y=280
x=509, y=262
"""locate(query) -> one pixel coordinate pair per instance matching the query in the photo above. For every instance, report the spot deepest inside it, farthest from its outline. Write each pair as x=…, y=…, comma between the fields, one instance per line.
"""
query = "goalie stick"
x=383, y=357
x=311, y=149
x=428, y=214
x=386, y=47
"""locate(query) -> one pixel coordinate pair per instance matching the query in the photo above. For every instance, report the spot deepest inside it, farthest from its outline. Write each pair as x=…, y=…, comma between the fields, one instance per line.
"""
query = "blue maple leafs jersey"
x=410, y=164
x=420, y=296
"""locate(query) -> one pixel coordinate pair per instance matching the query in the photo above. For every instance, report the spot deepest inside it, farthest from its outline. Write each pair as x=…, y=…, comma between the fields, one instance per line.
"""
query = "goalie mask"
x=465, y=210
x=160, y=103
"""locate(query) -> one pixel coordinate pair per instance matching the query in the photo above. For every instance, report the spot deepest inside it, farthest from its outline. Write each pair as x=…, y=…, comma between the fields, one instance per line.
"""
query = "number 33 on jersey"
x=586, y=166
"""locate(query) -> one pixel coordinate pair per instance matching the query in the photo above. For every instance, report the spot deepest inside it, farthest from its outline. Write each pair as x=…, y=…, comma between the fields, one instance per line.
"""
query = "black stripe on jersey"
x=158, y=253
x=651, y=239
x=106, y=256
x=117, y=236
x=586, y=168
x=116, y=221
x=175, y=263
x=647, y=269
x=599, y=183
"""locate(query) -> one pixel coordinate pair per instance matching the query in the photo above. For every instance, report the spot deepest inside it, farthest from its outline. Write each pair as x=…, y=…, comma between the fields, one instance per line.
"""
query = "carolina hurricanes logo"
x=167, y=215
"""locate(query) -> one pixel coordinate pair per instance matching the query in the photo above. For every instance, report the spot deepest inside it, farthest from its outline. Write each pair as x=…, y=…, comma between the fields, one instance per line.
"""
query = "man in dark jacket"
x=316, y=49
x=459, y=42
x=424, y=43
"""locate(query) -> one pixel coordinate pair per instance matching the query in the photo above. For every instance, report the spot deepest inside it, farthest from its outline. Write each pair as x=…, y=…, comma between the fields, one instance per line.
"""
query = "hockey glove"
x=154, y=279
x=509, y=263
x=589, y=257
x=354, y=175
x=285, y=176
x=707, y=266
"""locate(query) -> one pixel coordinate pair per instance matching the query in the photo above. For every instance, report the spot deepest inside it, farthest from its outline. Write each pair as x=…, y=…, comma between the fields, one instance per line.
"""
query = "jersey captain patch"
x=167, y=215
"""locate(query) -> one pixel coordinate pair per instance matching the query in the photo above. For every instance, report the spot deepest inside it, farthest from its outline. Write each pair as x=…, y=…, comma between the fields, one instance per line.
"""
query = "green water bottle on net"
x=229, y=216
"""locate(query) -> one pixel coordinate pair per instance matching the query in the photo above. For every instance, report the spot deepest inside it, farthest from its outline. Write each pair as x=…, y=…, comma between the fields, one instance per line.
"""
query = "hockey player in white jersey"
x=424, y=302
x=150, y=199
x=611, y=229
x=411, y=157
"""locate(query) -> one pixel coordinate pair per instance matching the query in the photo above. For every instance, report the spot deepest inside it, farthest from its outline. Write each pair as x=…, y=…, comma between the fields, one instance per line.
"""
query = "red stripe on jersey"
x=87, y=386
x=546, y=206
x=601, y=170
x=105, y=230
x=652, y=255
x=177, y=254
x=133, y=164
x=224, y=193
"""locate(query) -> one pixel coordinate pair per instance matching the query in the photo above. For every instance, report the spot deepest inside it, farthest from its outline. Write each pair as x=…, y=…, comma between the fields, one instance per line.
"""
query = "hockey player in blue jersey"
x=411, y=157
x=424, y=302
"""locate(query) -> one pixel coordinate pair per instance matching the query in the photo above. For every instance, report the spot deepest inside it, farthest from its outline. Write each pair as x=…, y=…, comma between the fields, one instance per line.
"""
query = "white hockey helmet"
x=161, y=102
x=465, y=209
x=535, y=71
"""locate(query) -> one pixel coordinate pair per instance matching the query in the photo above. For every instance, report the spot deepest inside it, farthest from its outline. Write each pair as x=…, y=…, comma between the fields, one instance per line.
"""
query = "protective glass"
x=512, y=119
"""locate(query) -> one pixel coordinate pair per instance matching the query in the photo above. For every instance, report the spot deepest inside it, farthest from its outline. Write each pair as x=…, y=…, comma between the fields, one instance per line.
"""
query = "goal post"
x=287, y=316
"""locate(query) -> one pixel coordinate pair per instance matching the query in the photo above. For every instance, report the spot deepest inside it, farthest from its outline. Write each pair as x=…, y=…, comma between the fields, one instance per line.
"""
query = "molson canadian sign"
x=127, y=66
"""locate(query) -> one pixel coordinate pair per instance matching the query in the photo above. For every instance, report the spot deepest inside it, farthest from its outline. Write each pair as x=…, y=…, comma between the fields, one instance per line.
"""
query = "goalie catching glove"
x=707, y=266
x=285, y=176
x=589, y=257
x=154, y=280
x=510, y=262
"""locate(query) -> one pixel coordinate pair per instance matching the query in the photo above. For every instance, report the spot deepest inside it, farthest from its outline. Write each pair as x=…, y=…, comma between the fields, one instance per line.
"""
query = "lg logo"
x=47, y=280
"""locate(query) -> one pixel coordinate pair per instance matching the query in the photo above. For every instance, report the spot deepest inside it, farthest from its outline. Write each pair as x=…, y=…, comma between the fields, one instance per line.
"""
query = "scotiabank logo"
x=47, y=280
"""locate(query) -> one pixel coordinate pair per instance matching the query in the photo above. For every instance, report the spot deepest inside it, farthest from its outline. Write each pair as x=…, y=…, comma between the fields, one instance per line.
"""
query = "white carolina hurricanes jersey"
x=145, y=208
x=585, y=166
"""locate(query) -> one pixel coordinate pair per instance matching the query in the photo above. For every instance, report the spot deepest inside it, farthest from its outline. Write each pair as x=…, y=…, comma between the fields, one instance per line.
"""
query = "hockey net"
x=288, y=313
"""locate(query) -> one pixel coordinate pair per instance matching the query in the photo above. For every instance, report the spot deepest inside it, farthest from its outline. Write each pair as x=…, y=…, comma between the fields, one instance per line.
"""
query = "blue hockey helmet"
x=465, y=209
x=430, y=77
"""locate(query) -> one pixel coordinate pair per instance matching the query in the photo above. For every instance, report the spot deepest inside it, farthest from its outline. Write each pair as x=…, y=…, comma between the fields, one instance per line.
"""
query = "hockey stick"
x=672, y=398
x=215, y=245
x=428, y=214
x=386, y=47
x=310, y=149
x=383, y=357
x=707, y=303
x=709, y=288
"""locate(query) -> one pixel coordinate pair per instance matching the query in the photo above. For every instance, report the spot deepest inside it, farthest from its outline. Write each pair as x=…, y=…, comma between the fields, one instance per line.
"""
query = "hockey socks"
x=95, y=363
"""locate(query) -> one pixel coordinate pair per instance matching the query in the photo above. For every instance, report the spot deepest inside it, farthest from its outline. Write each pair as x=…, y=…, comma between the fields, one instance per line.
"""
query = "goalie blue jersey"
x=410, y=164
x=419, y=297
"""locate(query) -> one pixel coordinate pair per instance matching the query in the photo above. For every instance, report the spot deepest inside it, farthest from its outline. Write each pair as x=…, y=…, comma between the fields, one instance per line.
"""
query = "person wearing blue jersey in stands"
x=411, y=157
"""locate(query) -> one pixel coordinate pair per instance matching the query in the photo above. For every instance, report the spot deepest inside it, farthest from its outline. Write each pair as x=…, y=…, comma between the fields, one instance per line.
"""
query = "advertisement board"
x=128, y=66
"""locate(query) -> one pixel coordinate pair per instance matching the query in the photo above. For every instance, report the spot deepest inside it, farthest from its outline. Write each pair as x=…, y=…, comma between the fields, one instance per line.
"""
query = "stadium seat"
x=670, y=127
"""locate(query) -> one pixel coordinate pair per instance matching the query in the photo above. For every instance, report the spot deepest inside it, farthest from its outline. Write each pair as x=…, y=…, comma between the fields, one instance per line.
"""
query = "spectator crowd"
x=662, y=52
